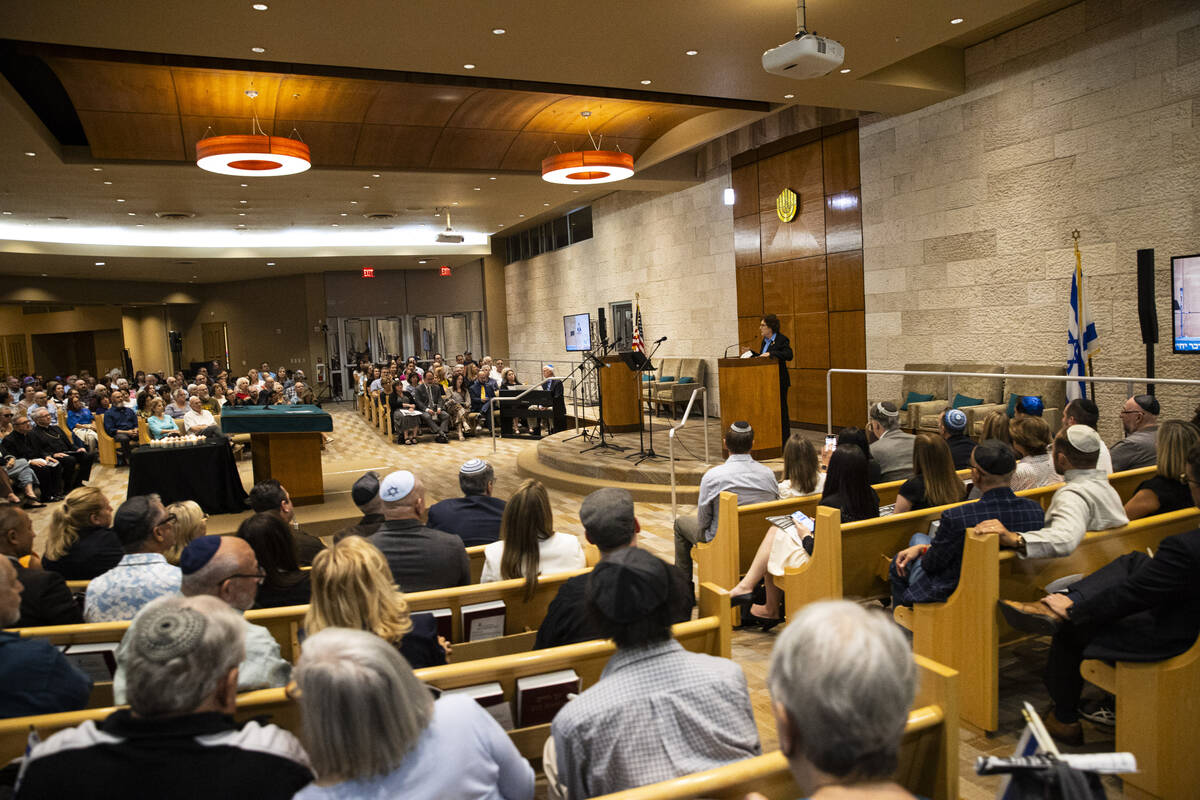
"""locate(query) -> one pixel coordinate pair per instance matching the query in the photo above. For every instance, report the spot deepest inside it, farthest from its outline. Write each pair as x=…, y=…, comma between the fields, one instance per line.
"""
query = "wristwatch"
x=1021, y=544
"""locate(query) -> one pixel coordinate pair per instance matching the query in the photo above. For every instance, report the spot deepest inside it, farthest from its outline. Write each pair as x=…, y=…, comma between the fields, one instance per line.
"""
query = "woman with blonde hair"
x=995, y=426
x=1168, y=490
x=352, y=587
x=158, y=423
x=528, y=544
x=190, y=523
x=1031, y=439
x=934, y=481
x=80, y=542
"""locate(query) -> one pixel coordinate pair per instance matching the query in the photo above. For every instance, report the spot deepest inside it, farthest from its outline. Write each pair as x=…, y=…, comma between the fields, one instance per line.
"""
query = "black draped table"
x=205, y=473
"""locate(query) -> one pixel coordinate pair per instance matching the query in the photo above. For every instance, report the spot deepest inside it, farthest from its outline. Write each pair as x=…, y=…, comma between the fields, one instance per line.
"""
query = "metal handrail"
x=687, y=413
x=498, y=398
x=1129, y=382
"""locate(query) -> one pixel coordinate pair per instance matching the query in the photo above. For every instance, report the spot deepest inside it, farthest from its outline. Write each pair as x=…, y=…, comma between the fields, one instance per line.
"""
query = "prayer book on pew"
x=491, y=697
x=483, y=620
x=444, y=619
x=98, y=661
x=539, y=697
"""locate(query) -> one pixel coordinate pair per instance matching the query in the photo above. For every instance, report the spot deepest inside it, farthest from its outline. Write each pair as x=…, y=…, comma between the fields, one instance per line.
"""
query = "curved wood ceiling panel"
x=650, y=121
x=397, y=146
x=462, y=148
x=332, y=143
x=106, y=86
x=324, y=99
x=529, y=148
x=147, y=137
x=565, y=115
x=501, y=110
x=217, y=93
x=413, y=104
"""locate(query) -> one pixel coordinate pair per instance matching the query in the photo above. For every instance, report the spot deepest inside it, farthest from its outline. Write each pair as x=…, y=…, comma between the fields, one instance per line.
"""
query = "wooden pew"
x=105, y=444
x=928, y=755
x=966, y=632
x=711, y=633
x=1158, y=720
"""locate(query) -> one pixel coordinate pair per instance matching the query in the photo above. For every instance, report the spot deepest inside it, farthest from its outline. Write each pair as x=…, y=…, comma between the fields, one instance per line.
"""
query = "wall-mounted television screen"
x=577, y=332
x=1185, y=302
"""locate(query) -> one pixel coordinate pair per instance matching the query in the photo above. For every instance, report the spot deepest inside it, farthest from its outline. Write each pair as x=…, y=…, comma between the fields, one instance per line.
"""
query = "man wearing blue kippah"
x=952, y=425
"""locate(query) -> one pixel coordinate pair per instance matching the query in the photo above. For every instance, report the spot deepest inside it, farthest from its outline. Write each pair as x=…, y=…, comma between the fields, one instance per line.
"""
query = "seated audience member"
x=365, y=494
x=690, y=709
x=224, y=567
x=283, y=583
x=458, y=404
x=841, y=680
x=46, y=599
x=352, y=588
x=80, y=542
x=406, y=420
x=1136, y=608
x=1087, y=501
x=199, y=420
x=1139, y=418
x=303, y=395
x=190, y=523
x=952, y=425
x=420, y=558
x=529, y=546
x=81, y=423
x=609, y=523
x=892, y=447
x=243, y=395
x=1168, y=489
x=558, y=401
x=474, y=517
x=429, y=399
x=802, y=473
x=22, y=479
x=22, y=444
x=1031, y=439
x=146, y=531
x=179, y=405
x=206, y=400
x=482, y=390
x=927, y=570
x=178, y=734
x=1028, y=406
x=219, y=397
x=120, y=423
x=76, y=460
x=995, y=426
x=1084, y=412
x=158, y=424
x=858, y=437
x=269, y=495
x=935, y=481
x=847, y=487
x=751, y=481
x=372, y=729
x=37, y=677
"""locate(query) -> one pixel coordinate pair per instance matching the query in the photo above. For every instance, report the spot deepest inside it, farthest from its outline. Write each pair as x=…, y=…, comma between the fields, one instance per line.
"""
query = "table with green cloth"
x=285, y=444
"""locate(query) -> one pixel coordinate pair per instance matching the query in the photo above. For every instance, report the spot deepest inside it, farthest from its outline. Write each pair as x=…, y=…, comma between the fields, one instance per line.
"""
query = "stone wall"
x=675, y=249
x=1088, y=118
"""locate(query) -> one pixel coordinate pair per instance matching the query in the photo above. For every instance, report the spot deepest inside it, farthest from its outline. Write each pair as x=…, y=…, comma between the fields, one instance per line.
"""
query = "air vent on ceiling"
x=380, y=215
x=58, y=219
x=186, y=263
x=45, y=309
x=174, y=214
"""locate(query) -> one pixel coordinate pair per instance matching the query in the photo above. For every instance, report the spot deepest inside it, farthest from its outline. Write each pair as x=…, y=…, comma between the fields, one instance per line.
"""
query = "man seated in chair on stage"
x=1137, y=608
x=751, y=481
x=482, y=390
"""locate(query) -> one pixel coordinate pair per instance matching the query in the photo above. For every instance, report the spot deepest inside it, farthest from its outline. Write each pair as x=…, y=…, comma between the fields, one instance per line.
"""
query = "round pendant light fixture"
x=251, y=155
x=587, y=166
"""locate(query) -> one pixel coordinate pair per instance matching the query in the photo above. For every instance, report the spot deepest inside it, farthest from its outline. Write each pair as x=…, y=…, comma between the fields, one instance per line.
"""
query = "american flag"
x=638, y=344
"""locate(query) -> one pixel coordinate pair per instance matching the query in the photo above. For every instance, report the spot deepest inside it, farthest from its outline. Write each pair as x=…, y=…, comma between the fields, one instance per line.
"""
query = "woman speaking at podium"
x=776, y=345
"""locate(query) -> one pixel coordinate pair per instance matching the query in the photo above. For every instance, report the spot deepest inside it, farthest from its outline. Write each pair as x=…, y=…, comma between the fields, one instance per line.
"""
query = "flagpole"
x=1079, y=310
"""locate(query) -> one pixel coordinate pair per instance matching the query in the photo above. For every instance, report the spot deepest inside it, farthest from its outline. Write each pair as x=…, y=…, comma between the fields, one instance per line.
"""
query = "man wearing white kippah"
x=892, y=448
x=1086, y=503
x=474, y=517
x=421, y=558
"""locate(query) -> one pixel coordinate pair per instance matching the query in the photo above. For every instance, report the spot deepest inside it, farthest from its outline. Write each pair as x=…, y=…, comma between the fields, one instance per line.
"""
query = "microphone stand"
x=602, y=444
x=649, y=453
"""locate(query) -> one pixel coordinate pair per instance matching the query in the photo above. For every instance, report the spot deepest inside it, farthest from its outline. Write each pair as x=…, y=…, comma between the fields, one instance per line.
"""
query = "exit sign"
x=368, y=272
x=445, y=271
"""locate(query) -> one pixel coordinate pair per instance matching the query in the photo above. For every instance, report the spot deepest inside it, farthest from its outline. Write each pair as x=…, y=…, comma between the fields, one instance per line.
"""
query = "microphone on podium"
x=738, y=345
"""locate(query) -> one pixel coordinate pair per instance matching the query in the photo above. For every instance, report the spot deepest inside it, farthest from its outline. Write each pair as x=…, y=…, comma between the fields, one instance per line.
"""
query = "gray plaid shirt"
x=657, y=712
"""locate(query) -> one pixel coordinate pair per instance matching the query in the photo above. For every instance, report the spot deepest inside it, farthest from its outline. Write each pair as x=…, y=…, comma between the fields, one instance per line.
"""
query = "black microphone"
x=735, y=344
x=660, y=341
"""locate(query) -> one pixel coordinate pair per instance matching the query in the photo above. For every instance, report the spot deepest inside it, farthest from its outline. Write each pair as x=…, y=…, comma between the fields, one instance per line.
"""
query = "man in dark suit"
x=76, y=461
x=427, y=396
x=365, y=494
x=558, y=400
x=474, y=517
x=21, y=444
x=776, y=345
x=1136, y=608
x=482, y=390
x=46, y=599
x=421, y=558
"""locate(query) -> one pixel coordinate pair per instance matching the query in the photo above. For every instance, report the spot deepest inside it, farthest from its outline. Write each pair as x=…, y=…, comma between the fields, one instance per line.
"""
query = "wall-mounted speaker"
x=1147, y=313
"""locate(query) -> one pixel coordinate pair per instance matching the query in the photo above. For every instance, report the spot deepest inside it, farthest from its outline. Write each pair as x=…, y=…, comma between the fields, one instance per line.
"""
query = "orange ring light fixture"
x=254, y=156
x=587, y=166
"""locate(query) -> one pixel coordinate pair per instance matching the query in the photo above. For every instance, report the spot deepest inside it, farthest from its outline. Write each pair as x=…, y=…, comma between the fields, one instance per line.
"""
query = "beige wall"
x=675, y=249
x=1088, y=119
x=404, y=291
x=495, y=299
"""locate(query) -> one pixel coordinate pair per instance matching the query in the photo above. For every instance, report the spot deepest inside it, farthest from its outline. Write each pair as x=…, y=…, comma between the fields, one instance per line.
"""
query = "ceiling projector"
x=448, y=236
x=805, y=56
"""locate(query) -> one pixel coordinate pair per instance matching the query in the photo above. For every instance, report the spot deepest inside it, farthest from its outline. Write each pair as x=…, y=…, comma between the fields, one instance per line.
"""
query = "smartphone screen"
x=830, y=442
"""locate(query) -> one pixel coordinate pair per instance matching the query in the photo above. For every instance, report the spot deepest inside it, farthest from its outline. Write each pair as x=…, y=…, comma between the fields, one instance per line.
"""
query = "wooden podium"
x=750, y=391
x=619, y=390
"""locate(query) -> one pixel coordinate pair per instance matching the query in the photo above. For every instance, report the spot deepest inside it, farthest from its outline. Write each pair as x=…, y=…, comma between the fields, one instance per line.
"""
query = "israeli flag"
x=1079, y=349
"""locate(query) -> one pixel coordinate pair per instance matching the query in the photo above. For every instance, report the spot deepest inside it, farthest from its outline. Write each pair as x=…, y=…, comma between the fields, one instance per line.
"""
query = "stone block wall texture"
x=675, y=249
x=1088, y=118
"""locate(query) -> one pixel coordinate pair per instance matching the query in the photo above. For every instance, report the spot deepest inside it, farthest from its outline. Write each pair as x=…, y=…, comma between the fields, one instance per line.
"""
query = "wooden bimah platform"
x=285, y=442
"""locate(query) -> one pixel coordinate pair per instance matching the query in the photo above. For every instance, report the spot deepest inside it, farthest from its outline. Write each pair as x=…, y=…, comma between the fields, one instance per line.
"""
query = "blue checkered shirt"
x=657, y=712
x=121, y=592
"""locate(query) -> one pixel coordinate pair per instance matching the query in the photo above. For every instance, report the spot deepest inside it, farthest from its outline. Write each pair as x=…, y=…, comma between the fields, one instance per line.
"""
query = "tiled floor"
x=356, y=448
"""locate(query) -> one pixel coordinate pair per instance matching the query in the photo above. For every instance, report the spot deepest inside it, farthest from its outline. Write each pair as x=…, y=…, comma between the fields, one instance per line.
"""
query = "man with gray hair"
x=76, y=461
x=1139, y=448
x=841, y=680
x=420, y=558
x=892, y=448
x=365, y=494
x=177, y=738
x=474, y=517
x=21, y=444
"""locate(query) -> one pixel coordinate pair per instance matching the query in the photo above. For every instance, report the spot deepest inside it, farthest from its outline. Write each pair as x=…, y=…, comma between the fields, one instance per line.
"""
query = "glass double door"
x=381, y=339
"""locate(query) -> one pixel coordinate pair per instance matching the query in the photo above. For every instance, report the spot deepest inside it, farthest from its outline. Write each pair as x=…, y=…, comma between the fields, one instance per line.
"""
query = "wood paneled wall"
x=808, y=271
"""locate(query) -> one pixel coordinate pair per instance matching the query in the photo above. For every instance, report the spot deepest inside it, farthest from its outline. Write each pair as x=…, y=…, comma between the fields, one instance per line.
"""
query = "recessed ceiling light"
x=260, y=6
x=844, y=71
x=258, y=49
x=97, y=169
x=243, y=202
x=956, y=20
x=374, y=174
x=691, y=52
x=366, y=187
x=99, y=263
x=501, y=225
x=139, y=225
x=108, y=183
x=521, y=215
x=270, y=263
x=545, y=204
x=492, y=178
x=120, y=200
x=30, y=153
x=645, y=83
x=6, y=213
x=353, y=202
x=43, y=275
x=343, y=214
x=334, y=225
x=454, y=204
x=476, y=188
x=498, y=32
x=468, y=66
x=788, y=96
x=244, y=185
x=421, y=261
x=241, y=213
x=132, y=213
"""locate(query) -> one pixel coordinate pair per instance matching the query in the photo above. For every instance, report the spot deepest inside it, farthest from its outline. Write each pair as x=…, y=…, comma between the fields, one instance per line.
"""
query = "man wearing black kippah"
x=1139, y=418
x=658, y=711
